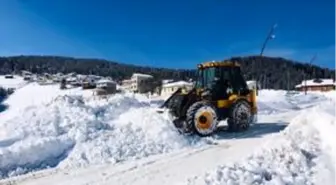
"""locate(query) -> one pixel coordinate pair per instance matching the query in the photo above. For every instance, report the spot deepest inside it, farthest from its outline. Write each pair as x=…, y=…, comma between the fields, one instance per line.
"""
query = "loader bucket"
x=167, y=102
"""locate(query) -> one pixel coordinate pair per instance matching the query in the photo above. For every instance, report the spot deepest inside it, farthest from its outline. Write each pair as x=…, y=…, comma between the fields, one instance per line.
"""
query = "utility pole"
x=305, y=76
x=270, y=36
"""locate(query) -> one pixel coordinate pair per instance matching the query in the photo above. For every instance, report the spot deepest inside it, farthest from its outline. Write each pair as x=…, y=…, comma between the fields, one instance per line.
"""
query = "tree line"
x=271, y=72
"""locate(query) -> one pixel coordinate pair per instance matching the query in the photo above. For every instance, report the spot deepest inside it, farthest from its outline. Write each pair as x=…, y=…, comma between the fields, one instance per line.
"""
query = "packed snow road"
x=121, y=140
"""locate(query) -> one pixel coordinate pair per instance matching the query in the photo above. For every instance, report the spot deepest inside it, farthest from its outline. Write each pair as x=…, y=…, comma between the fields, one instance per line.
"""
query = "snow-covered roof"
x=105, y=81
x=70, y=79
x=177, y=84
x=94, y=77
x=318, y=82
x=127, y=81
x=142, y=75
x=167, y=81
x=81, y=76
x=26, y=72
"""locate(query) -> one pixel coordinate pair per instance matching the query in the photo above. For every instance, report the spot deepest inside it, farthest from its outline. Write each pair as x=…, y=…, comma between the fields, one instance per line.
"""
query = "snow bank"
x=46, y=128
x=15, y=82
x=330, y=94
x=30, y=96
x=277, y=101
x=135, y=134
x=273, y=101
x=302, y=154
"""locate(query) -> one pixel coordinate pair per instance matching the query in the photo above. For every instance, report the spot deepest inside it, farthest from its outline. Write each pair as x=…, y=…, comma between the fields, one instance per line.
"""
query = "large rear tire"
x=202, y=119
x=239, y=116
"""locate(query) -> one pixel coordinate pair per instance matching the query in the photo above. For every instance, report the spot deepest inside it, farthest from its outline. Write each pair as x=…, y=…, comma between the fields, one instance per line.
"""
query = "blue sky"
x=174, y=34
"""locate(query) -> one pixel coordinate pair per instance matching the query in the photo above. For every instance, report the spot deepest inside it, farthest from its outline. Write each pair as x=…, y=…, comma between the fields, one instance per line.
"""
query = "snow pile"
x=15, y=82
x=330, y=94
x=272, y=101
x=53, y=129
x=310, y=99
x=277, y=101
x=32, y=94
x=302, y=154
x=136, y=134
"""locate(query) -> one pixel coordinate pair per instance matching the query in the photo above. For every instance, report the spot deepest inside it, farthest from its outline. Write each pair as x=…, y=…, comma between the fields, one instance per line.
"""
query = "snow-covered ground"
x=302, y=154
x=15, y=82
x=122, y=140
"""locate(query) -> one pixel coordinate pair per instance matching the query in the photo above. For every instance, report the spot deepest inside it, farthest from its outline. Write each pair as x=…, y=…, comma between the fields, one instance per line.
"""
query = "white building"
x=103, y=83
x=27, y=75
x=105, y=86
x=136, y=83
x=170, y=88
x=316, y=85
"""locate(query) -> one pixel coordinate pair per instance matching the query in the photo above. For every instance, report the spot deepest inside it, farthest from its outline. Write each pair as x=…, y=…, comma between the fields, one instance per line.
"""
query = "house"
x=316, y=85
x=89, y=82
x=105, y=87
x=24, y=73
x=58, y=77
x=47, y=76
x=169, y=88
x=138, y=83
x=27, y=75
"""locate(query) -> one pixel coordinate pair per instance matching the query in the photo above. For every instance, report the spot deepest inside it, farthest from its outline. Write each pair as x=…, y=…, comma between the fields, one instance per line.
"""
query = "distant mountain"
x=271, y=72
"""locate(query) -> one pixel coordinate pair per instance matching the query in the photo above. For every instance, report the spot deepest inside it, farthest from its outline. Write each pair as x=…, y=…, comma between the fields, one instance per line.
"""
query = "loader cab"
x=221, y=79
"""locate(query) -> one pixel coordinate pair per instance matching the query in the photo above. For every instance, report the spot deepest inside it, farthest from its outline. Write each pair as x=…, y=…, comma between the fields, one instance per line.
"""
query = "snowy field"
x=15, y=82
x=51, y=136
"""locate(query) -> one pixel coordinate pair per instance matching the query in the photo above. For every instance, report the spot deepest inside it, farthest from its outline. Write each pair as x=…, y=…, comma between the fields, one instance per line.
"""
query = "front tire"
x=202, y=118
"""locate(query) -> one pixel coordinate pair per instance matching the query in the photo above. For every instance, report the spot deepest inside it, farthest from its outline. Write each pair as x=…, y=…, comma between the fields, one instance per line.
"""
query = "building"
x=138, y=83
x=316, y=85
x=24, y=73
x=27, y=75
x=88, y=84
x=169, y=88
x=105, y=87
x=73, y=81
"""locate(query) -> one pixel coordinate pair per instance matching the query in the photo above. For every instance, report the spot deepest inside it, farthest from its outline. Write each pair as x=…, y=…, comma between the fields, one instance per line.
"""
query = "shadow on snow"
x=255, y=130
x=3, y=107
x=49, y=162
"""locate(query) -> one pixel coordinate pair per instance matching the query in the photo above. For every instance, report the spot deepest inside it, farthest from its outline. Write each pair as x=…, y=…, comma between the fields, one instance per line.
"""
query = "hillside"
x=270, y=71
